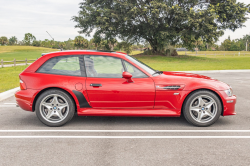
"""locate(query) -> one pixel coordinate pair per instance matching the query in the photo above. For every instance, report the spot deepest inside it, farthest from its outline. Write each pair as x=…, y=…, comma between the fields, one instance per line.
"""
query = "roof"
x=104, y=51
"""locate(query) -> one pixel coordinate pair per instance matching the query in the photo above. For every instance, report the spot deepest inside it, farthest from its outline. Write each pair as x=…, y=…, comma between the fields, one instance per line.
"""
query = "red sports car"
x=98, y=83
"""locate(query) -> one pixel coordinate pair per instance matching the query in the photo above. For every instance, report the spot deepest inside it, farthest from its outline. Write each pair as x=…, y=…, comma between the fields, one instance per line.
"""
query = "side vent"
x=81, y=99
x=172, y=87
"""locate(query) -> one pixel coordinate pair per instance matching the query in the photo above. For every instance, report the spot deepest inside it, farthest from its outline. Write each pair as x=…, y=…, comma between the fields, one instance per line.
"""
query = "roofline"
x=86, y=51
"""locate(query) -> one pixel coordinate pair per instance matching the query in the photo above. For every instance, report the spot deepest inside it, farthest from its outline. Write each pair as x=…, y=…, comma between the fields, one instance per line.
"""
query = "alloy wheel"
x=54, y=108
x=203, y=109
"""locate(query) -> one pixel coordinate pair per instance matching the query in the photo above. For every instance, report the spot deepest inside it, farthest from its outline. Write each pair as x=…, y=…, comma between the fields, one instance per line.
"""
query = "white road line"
x=10, y=103
x=130, y=131
x=5, y=106
x=132, y=137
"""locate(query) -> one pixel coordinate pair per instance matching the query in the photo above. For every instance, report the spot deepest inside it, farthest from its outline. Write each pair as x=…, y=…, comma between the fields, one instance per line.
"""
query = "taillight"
x=22, y=85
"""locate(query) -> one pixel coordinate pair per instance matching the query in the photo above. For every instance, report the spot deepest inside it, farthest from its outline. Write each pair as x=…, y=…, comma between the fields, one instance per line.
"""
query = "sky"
x=18, y=17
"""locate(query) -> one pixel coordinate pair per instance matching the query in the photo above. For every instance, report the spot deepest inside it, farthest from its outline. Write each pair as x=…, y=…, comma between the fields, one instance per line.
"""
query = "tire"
x=54, y=108
x=202, y=108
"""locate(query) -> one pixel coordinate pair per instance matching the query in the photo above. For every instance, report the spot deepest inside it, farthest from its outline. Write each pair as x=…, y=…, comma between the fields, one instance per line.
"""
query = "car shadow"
x=111, y=122
x=138, y=122
x=131, y=121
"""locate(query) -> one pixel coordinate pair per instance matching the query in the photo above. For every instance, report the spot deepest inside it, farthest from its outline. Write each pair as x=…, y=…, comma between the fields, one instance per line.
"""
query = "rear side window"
x=63, y=65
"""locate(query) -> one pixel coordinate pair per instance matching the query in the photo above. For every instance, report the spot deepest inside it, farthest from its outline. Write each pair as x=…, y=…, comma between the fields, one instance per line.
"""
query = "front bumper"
x=228, y=104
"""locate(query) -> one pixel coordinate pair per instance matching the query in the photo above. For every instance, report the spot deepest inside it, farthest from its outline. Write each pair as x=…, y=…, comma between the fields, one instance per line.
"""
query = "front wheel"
x=202, y=108
x=54, y=108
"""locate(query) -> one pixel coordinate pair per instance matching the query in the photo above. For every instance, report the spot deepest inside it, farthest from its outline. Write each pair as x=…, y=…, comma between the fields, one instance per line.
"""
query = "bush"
x=171, y=51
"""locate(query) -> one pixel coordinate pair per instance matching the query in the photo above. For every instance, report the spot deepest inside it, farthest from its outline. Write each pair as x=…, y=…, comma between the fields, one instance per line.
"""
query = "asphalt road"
x=135, y=141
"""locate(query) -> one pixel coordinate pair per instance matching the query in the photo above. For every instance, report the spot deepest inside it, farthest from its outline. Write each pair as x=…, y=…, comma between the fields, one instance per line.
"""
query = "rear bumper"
x=24, y=99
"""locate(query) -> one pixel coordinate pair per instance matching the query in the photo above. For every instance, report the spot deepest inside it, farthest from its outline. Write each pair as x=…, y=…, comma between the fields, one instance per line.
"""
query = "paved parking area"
x=129, y=140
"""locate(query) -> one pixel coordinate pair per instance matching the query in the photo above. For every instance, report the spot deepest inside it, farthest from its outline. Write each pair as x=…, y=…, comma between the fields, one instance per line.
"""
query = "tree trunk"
x=154, y=45
x=154, y=48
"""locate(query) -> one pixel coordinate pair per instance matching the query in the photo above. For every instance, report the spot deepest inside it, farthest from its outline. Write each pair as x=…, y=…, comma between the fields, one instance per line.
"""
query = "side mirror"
x=127, y=76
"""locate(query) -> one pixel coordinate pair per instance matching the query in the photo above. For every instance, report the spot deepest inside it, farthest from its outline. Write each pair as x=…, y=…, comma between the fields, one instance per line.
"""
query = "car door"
x=107, y=89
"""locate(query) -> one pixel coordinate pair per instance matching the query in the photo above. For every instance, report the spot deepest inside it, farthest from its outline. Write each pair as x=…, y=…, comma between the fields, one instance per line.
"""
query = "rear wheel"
x=54, y=108
x=202, y=108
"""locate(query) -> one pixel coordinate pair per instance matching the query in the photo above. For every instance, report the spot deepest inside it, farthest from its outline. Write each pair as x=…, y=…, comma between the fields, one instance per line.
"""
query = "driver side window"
x=103, y=66
x=134, y=71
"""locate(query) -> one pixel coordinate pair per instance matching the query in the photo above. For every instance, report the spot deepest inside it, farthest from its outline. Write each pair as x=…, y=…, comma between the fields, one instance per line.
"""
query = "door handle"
x=96, y=85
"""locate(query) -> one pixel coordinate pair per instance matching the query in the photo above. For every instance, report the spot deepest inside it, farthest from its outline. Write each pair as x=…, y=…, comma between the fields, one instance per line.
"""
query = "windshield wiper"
x=157, y=72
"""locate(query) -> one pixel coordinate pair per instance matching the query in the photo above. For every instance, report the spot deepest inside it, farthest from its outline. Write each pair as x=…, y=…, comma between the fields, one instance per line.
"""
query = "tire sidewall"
x=66, y=96
x=190, y=98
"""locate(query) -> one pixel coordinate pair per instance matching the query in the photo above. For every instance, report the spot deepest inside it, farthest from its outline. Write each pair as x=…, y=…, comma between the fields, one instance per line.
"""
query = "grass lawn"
x=8, y=53
x=9, y=77
x=216, y=53
x=182, y=62
x=135, y=52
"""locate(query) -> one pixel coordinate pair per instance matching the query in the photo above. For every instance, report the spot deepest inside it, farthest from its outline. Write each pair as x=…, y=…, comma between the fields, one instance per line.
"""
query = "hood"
x=189, y=81
x=182, y=74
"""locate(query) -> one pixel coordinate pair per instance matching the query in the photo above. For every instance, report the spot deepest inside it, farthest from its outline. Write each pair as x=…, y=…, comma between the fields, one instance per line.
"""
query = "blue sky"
x=18, y=17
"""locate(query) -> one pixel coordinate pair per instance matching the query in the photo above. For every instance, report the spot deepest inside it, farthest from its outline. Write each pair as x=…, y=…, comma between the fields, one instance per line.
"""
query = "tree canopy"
x=13, y=40
x=80, y=42
x=28, y=39
x=3, y=40
x=161, y=21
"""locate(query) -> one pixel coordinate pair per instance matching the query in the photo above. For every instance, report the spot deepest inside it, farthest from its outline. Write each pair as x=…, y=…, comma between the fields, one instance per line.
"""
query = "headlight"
x=229, y=92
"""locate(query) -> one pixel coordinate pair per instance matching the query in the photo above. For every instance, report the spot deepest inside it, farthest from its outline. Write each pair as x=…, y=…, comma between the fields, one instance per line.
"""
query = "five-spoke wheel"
x=202, y=108
x=54, y=107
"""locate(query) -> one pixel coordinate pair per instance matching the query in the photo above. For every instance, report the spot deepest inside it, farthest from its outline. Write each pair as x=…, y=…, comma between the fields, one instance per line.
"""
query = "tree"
x=28, y=39
x=119, y=45
x=69, y=44
x=127, y=46
x=80, y=42
x=13, y=40
x=97, y=39
x=198, y=43
x=162, y=22
x=245, y=39
x=3, y=40
x=36, y=43
x=111, y=43
x=227, y=44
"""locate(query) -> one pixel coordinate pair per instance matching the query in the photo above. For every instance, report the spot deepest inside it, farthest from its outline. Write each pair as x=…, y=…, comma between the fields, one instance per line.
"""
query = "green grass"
x=216, y=53
x=9, y=77
x=135, y=52
x=182, y=62
x=8, y=53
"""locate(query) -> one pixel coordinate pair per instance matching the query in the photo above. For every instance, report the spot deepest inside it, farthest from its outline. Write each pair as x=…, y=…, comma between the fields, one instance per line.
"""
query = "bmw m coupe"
x=96, y=83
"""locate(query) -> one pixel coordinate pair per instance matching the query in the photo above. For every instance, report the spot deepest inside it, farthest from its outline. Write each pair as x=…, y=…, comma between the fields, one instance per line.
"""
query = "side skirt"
x=128, y=112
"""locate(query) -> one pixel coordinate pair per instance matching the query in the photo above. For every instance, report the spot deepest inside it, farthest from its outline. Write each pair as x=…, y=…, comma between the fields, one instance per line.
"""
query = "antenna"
x=54, y=40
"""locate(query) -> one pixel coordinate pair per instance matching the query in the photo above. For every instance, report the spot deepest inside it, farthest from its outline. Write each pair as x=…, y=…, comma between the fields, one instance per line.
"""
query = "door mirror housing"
x=127, y=76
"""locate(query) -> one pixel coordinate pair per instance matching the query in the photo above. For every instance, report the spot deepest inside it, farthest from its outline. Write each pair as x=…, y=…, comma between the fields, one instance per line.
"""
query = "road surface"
x=24, y=140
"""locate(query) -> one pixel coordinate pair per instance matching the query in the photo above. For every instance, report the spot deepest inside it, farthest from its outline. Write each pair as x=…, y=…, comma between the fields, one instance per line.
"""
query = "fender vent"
x=172, y=87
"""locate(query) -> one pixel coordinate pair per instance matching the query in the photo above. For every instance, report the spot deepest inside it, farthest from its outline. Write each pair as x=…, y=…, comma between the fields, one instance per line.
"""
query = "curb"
x=216, y=71
x=8, y=93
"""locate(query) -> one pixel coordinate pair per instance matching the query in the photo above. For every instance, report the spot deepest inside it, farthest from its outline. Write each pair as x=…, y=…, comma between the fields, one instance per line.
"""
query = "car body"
x=101, y=84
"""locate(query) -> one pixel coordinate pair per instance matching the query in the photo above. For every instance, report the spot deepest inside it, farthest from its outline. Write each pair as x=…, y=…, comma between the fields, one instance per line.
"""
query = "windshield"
x=142, y=65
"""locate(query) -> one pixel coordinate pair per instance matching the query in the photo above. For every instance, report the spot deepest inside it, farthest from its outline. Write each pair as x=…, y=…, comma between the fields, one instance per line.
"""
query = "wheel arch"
x=39, y=93
x=214, y=92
